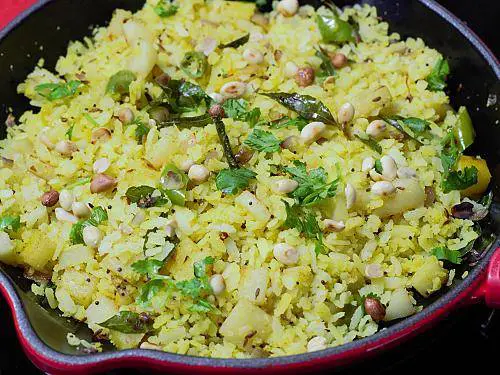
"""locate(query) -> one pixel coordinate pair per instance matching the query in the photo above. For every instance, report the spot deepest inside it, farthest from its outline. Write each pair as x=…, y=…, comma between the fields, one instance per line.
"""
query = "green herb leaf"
x=308, y=226
x=165, y=9
x=284, y=122
x=119, y=82
x=335, y=30
x=238, y=109
x=200, y=267
x=237, y=42
x=263, y=141
x=413, y=127
x=141, y=129
x=369, y=141
x=69, y=132
x=437, y=78
x=305, y=106
x=327, y=68
x=378, y=166
x=10, y=223
x=443, y=253
x=202, y=306
x=150, y=289
x=194, y=64
x=128, y=322
x=230, y=181
x=460, y=180
x=54, y=91
x=97, y=216
x=293, y=219
x=148, y=267
x=449, y=153
x=312, y=185
x=187, y=122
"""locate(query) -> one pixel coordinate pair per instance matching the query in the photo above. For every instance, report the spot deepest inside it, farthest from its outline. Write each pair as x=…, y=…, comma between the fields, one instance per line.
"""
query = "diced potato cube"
x=429, y=277
x=249, y=202
x=125, y=340
x=255, y=285
x=246, y=322
x=400, y=305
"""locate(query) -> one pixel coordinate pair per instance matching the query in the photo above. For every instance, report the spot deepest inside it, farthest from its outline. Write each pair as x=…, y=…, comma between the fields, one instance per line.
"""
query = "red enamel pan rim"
x=466, y=291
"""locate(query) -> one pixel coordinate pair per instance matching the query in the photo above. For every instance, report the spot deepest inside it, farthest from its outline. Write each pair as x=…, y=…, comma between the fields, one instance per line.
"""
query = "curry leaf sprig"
x=413, y=127
x=129, y=322
x=306, y=106
x=313, y=185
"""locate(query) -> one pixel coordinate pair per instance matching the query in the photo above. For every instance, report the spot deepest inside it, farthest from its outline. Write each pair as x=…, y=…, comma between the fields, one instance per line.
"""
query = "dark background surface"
x=470, y=338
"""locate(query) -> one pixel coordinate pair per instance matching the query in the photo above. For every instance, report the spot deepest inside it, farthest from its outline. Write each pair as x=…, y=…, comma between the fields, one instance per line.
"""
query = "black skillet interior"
x=52, y=24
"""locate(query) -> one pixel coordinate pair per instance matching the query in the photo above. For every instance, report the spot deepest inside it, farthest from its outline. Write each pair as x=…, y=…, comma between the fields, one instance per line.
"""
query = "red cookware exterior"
x=484, y=288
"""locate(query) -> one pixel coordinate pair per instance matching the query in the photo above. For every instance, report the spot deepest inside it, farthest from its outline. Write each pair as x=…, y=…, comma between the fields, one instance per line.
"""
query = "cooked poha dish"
x=206, y=179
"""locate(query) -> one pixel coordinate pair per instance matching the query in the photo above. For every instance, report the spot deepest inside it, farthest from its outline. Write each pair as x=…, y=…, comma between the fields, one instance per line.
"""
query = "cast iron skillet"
x=475, y=76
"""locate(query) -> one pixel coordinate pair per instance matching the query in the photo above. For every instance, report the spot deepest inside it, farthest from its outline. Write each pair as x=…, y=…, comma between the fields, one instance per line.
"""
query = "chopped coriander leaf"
x=165, y=9
x=293, y=219
x=147, y=267
x=312, y=185
x=141, y=129
x=200, y=267
x=54, y=91
x=263, y=141
x=119, y=83
x=378, y=166
x=128, y=322
x=460, y=180
x=443, y=253
x=237, y=109
x=449, y=154
x=69, y=132
x=97, y=216
x=327, y=68
x=437, y=79
x=308, y=225
x=10, y=223
x=230, y=181
x=151, y=289
x=201, y=305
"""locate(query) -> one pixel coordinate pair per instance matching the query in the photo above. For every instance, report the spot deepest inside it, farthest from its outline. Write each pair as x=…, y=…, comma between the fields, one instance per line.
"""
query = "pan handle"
x=491, y=286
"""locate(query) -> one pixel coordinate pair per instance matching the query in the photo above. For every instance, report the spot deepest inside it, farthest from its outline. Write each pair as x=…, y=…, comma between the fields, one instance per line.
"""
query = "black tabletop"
x=470, y=336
